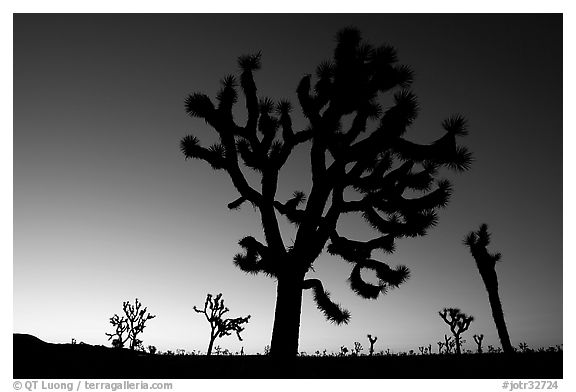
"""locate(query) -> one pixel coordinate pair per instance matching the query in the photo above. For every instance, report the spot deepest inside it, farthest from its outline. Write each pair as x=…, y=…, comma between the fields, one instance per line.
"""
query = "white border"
x=360, y=6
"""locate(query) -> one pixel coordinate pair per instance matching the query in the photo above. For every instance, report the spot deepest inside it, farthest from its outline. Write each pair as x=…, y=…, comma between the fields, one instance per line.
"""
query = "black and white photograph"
x=288, y=196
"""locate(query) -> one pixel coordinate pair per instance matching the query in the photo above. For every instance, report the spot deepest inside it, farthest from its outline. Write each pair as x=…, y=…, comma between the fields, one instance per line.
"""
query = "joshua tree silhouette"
x=132, y=324
x=486, y=263
x=372, y=340
x=478, y=340
x=213, y=310
x=380, y=166
x=458, y=323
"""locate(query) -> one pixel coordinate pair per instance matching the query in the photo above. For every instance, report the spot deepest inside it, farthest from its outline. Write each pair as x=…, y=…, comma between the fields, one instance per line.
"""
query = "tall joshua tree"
x=365, y=168
x=486, y=263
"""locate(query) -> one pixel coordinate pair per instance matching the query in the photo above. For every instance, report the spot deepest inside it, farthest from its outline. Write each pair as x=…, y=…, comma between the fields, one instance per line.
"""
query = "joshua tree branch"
x=256, y=259
x=331, y=310
x=351, y=250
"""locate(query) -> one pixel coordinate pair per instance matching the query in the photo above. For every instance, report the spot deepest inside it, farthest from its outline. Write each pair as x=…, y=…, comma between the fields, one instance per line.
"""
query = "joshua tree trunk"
x=212, y=338
x=498, y=316
x=287, y=316
x=491, y=283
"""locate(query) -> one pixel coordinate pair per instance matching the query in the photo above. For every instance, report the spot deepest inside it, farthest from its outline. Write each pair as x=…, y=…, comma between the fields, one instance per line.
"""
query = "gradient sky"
x=106, y=209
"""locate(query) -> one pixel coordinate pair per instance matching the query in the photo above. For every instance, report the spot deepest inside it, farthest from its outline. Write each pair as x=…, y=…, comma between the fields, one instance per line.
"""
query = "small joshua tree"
x=357, y=348
x=372, y=341
x=458, y=323
x=486, y=263
x=478, y=339
x=214, y=311
x=132, y=324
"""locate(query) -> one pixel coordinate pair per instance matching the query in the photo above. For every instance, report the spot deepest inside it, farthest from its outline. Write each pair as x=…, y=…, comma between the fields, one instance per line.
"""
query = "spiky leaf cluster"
x=477, y=242
x=255, y=259
x=331, y=310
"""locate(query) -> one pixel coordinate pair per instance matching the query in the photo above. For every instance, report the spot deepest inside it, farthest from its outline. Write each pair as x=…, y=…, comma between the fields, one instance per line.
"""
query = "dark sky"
x=106, y=208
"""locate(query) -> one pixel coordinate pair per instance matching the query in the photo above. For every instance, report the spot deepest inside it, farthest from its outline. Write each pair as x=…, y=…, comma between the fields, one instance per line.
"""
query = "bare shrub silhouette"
x=448, y=345
x=458, y=323
x=492, y=349
x=524, y=348
x=440, y=346
x=379, y=166
x=425, y=350
x=214, y=310
x=486, y=263
x=132, y=323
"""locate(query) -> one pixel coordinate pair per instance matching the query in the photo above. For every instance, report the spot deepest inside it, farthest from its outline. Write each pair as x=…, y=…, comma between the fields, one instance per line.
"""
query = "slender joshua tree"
x=478, y=340
x=372, y=340
x=486, y=263
x=393, y=179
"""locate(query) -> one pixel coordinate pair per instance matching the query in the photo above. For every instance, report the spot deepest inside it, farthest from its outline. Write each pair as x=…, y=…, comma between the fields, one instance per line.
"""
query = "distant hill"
x=35, y=358
x=25, y=340
x=29, y=344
